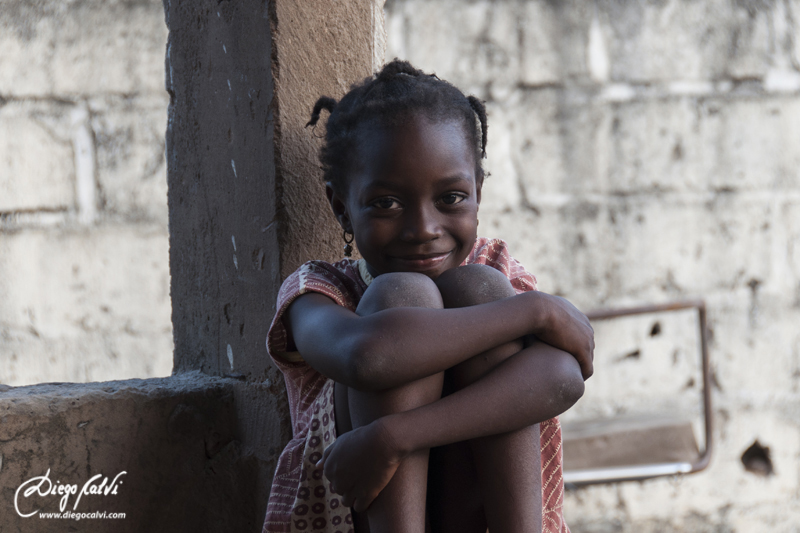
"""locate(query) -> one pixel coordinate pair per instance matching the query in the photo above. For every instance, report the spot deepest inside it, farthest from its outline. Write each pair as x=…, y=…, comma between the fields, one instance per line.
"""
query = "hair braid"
x=324, y=102
x=480, y=110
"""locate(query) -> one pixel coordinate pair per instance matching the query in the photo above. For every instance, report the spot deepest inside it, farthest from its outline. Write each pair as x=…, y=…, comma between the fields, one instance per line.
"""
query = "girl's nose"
x=421, y=226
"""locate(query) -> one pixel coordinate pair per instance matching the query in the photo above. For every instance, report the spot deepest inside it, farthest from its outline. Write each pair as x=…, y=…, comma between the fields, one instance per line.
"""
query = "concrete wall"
x=84, y=279
x=643, y=152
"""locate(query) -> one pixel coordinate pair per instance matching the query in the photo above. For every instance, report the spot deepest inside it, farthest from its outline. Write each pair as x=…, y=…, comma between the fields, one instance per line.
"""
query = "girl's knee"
x=400, y=289
x=473, y=285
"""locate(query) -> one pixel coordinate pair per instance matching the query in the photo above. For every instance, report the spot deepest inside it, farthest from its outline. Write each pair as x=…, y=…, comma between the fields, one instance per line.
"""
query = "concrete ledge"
x=627, y=442
x=177, y=439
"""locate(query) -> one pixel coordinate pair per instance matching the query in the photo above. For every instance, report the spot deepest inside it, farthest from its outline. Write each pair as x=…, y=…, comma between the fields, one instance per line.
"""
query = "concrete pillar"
x=246, y=202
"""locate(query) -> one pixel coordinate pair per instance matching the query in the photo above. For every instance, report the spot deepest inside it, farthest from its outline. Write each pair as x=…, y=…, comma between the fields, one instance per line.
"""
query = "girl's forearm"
x=399, y=345
x=534, y=385
x=405, y=344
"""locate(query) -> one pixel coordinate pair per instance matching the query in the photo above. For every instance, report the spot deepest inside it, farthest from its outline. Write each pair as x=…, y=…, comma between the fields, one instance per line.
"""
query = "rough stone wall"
x=644, y=152
x=84, y=279
x=174, y=446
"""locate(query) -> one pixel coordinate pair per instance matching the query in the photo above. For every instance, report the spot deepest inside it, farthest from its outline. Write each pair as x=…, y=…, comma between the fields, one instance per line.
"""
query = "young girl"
x=435, y=341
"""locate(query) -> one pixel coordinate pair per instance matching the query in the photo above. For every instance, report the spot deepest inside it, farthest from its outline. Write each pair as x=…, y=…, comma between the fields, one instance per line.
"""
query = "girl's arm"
x=531, y=386
x=399, y=345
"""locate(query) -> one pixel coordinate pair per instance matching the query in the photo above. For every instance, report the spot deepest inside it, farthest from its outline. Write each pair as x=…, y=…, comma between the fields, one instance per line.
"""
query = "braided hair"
x=396, y=91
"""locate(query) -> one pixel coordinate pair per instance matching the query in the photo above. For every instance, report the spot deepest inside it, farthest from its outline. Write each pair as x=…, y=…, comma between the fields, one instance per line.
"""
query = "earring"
x=348, y=248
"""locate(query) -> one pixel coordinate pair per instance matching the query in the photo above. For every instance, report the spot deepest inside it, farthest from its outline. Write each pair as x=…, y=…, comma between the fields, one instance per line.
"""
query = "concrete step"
x=628, y=441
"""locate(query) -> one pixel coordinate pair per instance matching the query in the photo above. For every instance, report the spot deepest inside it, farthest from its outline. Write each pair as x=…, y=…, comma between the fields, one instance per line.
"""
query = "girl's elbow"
x=357, y=375
x=568, y=384
x=572, y=389
x=359, y=367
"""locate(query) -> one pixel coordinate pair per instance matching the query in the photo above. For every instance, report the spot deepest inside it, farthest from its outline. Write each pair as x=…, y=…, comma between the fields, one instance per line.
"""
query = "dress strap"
x=365, y=275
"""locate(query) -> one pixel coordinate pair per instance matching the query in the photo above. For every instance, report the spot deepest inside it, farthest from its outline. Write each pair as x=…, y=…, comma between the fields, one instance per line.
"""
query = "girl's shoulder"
x=495, y=253
x=341, y=282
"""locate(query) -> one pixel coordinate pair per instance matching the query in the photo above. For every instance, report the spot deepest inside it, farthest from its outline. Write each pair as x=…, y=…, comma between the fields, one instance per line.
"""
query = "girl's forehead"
x=412, y=165
x=414, y=139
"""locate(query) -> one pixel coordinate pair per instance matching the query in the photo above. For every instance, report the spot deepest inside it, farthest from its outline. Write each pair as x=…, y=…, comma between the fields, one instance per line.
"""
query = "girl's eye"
x=451, y=199
x=386, y=203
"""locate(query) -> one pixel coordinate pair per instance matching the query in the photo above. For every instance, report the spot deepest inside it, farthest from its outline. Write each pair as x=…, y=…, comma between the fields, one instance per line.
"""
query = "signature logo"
x=43, y=486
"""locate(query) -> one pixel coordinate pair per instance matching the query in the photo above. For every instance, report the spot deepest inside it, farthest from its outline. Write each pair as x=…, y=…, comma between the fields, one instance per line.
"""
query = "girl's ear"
x=339, y=208
x=478, y=187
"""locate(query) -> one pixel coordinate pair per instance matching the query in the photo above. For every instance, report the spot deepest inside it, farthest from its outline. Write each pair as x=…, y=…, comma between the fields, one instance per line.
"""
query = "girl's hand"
x=566, y=328
x=360, y=463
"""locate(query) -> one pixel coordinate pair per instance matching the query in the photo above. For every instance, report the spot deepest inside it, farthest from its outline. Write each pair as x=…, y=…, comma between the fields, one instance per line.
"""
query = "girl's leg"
x=400, y=507
x=507, y=466
x=455, y=502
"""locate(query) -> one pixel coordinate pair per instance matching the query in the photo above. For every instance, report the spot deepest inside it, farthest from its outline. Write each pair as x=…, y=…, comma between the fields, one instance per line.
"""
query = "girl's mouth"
x=421, y=262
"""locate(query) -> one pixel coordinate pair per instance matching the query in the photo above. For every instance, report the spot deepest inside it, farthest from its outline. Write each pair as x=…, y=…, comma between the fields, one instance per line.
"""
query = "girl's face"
x=412, y=203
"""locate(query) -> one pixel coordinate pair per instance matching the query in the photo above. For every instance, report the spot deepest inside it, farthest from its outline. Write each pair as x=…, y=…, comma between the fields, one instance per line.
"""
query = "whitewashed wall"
x=84, y=278
x=641, y=152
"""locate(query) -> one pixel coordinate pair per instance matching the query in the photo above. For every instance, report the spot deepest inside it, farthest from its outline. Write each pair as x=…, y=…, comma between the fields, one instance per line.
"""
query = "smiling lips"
x=422, y=261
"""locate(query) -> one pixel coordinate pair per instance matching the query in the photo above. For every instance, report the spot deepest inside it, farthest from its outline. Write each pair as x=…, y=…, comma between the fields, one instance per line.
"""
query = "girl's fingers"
x=587, y=365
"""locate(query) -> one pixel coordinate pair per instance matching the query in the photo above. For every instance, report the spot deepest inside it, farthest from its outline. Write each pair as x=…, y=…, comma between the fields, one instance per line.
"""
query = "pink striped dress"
x=301, y=498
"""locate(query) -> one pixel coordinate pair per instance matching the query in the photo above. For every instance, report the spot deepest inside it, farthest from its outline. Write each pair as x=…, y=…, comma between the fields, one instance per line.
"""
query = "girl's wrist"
x=539, y=312
x=395, y=435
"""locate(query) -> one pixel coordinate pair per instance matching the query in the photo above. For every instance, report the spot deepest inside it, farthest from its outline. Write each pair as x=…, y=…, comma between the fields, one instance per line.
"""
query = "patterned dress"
x=301, y=498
